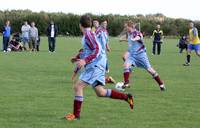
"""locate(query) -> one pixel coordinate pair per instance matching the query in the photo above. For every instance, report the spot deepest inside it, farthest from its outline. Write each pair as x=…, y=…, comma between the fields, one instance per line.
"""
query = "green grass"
x=36, y=91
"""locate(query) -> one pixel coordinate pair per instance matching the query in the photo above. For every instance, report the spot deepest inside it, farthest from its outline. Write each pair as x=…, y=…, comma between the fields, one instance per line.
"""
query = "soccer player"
x=194, y=43
x=137, y=56
x=102, y=36
x=94, y=71
x=158, y=36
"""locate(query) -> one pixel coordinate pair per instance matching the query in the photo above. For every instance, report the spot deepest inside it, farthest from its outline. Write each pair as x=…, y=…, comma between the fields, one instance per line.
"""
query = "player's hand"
x=80, y=63
x=73, y=59
x=74, y=76
x=123, y=40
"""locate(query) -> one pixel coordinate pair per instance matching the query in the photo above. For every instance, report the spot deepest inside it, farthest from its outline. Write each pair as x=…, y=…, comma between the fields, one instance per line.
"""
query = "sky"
x=170, y=8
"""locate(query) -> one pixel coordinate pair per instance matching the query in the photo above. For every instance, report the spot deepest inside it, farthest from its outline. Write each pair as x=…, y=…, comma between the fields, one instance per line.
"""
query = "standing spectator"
x=25, y=34
x=6, y=35
x=52, y=32
x=33, y=33
x=158, y=36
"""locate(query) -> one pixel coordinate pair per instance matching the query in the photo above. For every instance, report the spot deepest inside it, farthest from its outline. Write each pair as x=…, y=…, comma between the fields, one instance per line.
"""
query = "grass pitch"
x=36, y=90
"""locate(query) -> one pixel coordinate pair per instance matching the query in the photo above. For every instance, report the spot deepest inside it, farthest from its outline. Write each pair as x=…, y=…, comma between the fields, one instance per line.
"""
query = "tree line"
x=69, y=23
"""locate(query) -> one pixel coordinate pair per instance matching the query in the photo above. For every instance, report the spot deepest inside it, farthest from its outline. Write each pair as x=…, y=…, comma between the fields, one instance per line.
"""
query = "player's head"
x=191, y=24
x=130, y=26
x=95, y=23
x=158, y=26
x=85, y=22
x=104, y=24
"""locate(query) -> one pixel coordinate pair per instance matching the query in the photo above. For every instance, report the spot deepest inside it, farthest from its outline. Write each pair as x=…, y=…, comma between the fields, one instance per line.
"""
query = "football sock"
x=188, y=59
x=118, y=95
x=157, y=79
x=126, y=75
x=108, y=92
x=77, y=106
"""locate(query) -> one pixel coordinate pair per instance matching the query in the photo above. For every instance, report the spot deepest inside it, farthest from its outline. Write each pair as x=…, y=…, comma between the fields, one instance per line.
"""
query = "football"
x=9, y=49
x=119, y=85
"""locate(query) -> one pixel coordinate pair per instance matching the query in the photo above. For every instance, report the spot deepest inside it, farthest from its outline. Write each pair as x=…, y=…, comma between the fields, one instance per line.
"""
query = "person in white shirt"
x=52, y=32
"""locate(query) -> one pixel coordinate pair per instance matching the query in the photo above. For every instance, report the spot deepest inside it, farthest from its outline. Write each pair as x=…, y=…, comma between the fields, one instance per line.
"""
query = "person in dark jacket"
x=158, y=40
x=52, y=32
x=183, y=44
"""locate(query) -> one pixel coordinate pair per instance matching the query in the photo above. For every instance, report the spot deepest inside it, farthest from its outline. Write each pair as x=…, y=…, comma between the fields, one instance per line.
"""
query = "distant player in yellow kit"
x=194, y=43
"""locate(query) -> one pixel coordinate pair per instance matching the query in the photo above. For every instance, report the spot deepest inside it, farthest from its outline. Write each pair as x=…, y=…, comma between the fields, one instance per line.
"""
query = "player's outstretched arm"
x=137, y=38
x=108, y=47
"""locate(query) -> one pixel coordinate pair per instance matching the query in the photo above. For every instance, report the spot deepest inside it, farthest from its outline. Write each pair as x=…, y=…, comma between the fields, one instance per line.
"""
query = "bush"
x=70, y=22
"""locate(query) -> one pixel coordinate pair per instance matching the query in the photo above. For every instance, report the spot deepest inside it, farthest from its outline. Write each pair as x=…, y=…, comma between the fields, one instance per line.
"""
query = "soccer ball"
x=119, y=85
x=8, y=49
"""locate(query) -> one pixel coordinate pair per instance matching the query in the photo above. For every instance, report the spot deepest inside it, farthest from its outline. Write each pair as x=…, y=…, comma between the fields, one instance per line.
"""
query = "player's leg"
x=107, y=67
x=154, y=48
x=102, y=92
x=78, y=99
x=126, y=74
x=197, y=50
x=157, y=78
x=198, y=53
x=125, y=57
x=190, y=47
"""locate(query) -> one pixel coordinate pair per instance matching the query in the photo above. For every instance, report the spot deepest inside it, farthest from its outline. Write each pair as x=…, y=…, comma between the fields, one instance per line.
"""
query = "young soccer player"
x=102, y=36
x=137, y=56
x=194, y=43
x=94, y=71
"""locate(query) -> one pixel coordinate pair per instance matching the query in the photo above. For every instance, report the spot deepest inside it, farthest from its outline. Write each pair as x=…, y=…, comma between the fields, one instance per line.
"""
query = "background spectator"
x=52, y=32
x=6, y=35
x=33, y=33
x=25, y=34
x=158, y=40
